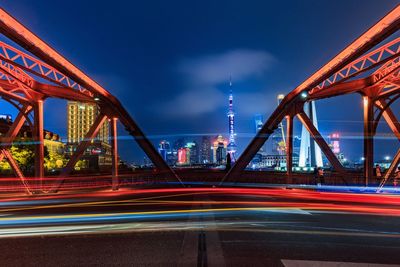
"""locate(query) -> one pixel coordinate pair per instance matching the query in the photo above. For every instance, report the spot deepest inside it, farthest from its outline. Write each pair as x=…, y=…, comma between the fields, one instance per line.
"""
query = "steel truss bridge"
x=31, y=71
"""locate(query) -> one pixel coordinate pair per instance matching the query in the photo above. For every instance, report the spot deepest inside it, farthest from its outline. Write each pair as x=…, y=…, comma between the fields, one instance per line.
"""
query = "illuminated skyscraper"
x=194, y=152
x=231, y=149
x=81, y=117
x=334, y=143
x=219, y=150
x=164, y=149
x=205, y=154
x=310, y=153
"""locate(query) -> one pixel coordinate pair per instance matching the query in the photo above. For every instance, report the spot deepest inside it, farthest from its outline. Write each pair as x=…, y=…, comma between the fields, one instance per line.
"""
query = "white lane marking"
x=305, y=263
x=291, y=211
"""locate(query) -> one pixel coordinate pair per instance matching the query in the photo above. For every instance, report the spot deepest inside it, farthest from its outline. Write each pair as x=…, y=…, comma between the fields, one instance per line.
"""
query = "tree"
x=54, y=161
x=23, y=153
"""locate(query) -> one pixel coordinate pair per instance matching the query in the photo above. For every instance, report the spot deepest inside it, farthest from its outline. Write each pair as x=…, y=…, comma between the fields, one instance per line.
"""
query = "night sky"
x=169, y=62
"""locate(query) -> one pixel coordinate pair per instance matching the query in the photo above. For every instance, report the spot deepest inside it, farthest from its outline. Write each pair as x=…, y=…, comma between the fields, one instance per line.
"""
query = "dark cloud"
x=203, y=75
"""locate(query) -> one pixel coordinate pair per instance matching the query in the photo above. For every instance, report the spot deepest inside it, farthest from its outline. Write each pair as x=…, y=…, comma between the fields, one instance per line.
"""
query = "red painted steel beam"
x=47, y=90
x=61, y=92
x=83, y=145
x=114, y=151
x=390, y=118
x=13, y=131
x=38, y=137
x=4, y=93
x=39, y=68
x=377, y=33
x=17, y=32
x=381, y=55
x=391, y=170
x=393, y=166
x=341, y=89
x=289, y=147
x=24, y=82
x=17, y=171
x=317, y=137
x=368, y=107
x=8, y=138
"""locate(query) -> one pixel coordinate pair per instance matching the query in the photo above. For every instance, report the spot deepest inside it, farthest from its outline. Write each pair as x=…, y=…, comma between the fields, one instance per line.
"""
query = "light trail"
x=167, y=206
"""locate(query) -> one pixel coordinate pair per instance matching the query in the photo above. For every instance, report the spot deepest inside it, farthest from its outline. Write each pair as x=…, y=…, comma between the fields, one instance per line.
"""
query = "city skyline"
x=264, y=62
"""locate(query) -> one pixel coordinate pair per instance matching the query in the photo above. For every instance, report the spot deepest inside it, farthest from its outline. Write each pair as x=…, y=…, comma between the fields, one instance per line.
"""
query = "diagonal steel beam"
x=17, y=32
x=394, y=125
x=83, y=145
x=17, y=171
x=376, y=34
x=305, y=120
x=390, y=118
x=9, y=137
x=390, y=172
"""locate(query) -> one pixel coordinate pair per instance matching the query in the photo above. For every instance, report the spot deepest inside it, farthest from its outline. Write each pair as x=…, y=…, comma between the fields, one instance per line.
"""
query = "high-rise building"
x=81, y=117
x=231, y=149
x=205, y=154
x=220, y=145
x=164, y=149
x=334, y=144
x=194, y=152
x=310, y=153
x=179, y=143
x=183, y=156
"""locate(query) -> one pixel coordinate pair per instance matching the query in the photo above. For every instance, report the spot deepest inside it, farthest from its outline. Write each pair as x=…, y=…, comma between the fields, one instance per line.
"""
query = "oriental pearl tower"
x=231, y=149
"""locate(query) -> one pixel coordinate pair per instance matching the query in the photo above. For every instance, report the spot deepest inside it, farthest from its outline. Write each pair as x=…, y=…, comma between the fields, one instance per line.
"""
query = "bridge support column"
x=39, y=144
x=289, y=148
x=368, y=138
x=114, y=146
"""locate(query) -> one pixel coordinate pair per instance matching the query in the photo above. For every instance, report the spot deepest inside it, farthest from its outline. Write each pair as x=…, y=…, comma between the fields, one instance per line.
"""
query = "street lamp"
x=387, y=158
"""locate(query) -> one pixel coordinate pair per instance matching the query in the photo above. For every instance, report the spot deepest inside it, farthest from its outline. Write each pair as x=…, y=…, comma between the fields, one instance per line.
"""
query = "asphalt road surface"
x=201, y=227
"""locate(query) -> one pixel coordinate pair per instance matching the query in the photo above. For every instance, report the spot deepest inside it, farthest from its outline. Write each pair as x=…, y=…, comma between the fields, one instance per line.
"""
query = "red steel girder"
x=390, y=118
x=12, y=133
x=17, y=32
x=305, y=120
x=374, y=58
x=38, y=137
x=6, y=143
x=376, y=34
x=83, y=145
x=16, y=169
x=37, y=67
x=369, y=132
x=47, y=90
x=114, y=150
x=289, y=147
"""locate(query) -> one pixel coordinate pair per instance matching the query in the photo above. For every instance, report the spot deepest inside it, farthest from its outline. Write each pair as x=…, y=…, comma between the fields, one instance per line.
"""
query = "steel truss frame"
x=341, y=75
x=65, y=81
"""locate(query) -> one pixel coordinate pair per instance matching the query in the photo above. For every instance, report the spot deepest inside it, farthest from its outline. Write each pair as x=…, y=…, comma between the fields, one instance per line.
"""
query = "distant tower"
x=231, y=149
x=310, y=153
